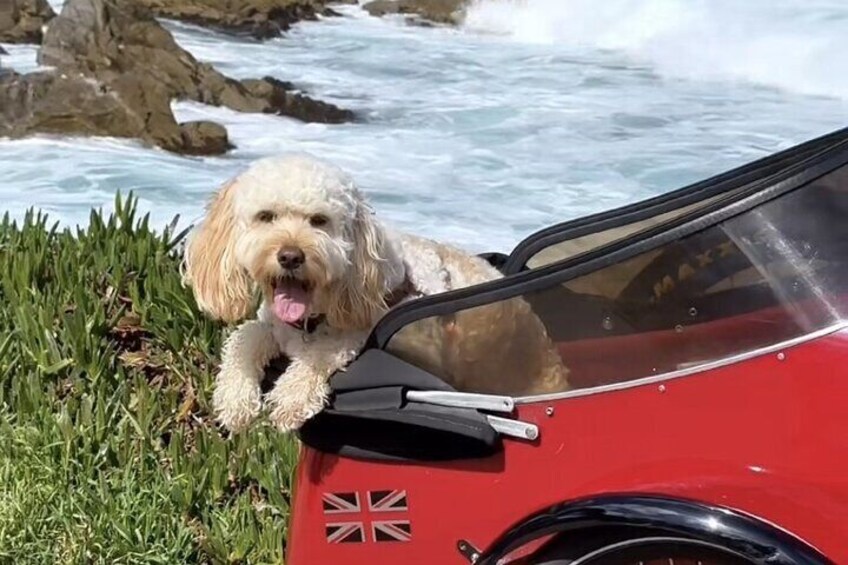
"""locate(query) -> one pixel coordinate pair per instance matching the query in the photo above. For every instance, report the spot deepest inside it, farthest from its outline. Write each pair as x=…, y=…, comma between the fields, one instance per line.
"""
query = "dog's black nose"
x=290, y=257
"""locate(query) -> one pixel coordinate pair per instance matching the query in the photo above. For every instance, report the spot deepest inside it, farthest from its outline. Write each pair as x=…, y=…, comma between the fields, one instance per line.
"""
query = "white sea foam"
x=797, y=45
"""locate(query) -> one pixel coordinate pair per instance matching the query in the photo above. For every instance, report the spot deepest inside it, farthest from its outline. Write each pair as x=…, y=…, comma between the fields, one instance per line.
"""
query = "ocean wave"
x=794, y=45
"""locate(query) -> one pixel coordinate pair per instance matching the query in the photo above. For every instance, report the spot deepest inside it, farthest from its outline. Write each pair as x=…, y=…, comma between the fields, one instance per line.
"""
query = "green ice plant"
x=108, y=451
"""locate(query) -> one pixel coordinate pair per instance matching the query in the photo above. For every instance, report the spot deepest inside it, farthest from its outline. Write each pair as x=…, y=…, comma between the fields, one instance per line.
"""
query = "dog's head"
x=297, y=230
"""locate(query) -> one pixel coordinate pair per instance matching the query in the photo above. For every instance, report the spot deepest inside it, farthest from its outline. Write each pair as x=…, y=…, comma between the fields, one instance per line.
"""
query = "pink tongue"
x=290, y=302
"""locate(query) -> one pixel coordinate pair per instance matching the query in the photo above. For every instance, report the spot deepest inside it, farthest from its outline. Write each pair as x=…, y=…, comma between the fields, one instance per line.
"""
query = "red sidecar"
x=706, y=418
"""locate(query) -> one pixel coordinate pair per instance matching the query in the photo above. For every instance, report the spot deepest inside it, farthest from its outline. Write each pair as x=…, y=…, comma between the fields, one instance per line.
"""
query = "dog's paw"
x=292, y=403
x=236, y=406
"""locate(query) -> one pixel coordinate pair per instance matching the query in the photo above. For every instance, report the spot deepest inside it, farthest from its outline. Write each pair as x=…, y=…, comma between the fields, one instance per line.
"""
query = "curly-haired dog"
x=297, y=230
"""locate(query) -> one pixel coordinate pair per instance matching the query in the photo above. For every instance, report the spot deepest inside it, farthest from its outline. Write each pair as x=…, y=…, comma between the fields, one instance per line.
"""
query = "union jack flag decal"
x=341, y=502
x=358, y=517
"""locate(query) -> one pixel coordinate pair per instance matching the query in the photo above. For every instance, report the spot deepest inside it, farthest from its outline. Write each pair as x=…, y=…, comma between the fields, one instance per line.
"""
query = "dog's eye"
x=318, y=221
x=265, y=216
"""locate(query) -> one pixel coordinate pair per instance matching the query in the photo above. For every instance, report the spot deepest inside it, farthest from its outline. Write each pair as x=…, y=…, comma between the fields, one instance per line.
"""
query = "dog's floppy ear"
x=376, y=271
x=221, y=286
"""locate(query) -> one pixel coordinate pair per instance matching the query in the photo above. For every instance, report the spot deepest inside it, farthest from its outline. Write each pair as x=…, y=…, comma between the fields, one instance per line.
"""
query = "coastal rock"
x=107, y=39
x=120, y=57
x=204, y=138
x=53, y=103
x=437, y=11
x=48, y=102
x=150, y=101
x=259, y=18
x=279, y=98
x=21, y=21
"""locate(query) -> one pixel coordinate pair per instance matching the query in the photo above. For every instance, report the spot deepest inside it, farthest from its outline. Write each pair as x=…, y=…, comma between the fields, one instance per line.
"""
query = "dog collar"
x=308, y=325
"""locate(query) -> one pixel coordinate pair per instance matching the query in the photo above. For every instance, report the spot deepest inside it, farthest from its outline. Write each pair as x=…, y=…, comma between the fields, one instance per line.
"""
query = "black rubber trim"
x=375, y=369
x=369, y=417
x=724, y=182
x=745, y=535
x=556, y=273
x=419, y=433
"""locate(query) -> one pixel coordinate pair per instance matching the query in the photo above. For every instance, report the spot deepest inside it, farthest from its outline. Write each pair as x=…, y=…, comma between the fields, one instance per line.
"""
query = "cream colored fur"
x=352, y=263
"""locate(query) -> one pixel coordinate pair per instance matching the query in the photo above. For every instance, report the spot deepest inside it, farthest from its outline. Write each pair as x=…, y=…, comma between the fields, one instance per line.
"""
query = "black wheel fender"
x=589, y=524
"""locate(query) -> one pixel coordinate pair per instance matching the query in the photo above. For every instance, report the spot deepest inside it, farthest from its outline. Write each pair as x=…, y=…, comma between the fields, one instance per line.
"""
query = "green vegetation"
x=108, y=453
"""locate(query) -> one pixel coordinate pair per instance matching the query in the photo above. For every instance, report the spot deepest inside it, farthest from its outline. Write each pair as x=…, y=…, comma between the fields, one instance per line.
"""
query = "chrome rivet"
x=781, y=356
x=549, y=410
x=662, y=388
x=475, y=557
x=531, y=433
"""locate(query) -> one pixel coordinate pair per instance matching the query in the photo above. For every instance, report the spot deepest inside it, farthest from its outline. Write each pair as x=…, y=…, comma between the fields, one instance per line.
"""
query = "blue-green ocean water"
x=533, y=112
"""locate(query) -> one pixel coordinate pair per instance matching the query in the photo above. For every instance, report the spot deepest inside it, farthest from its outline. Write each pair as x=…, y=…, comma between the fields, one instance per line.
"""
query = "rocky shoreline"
x=114, y=69
x=261, y=19
x=423, y=11
x=21, y=21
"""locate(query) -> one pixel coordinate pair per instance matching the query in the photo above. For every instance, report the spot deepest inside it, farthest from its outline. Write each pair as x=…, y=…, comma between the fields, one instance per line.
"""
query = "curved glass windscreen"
x=774, y=273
